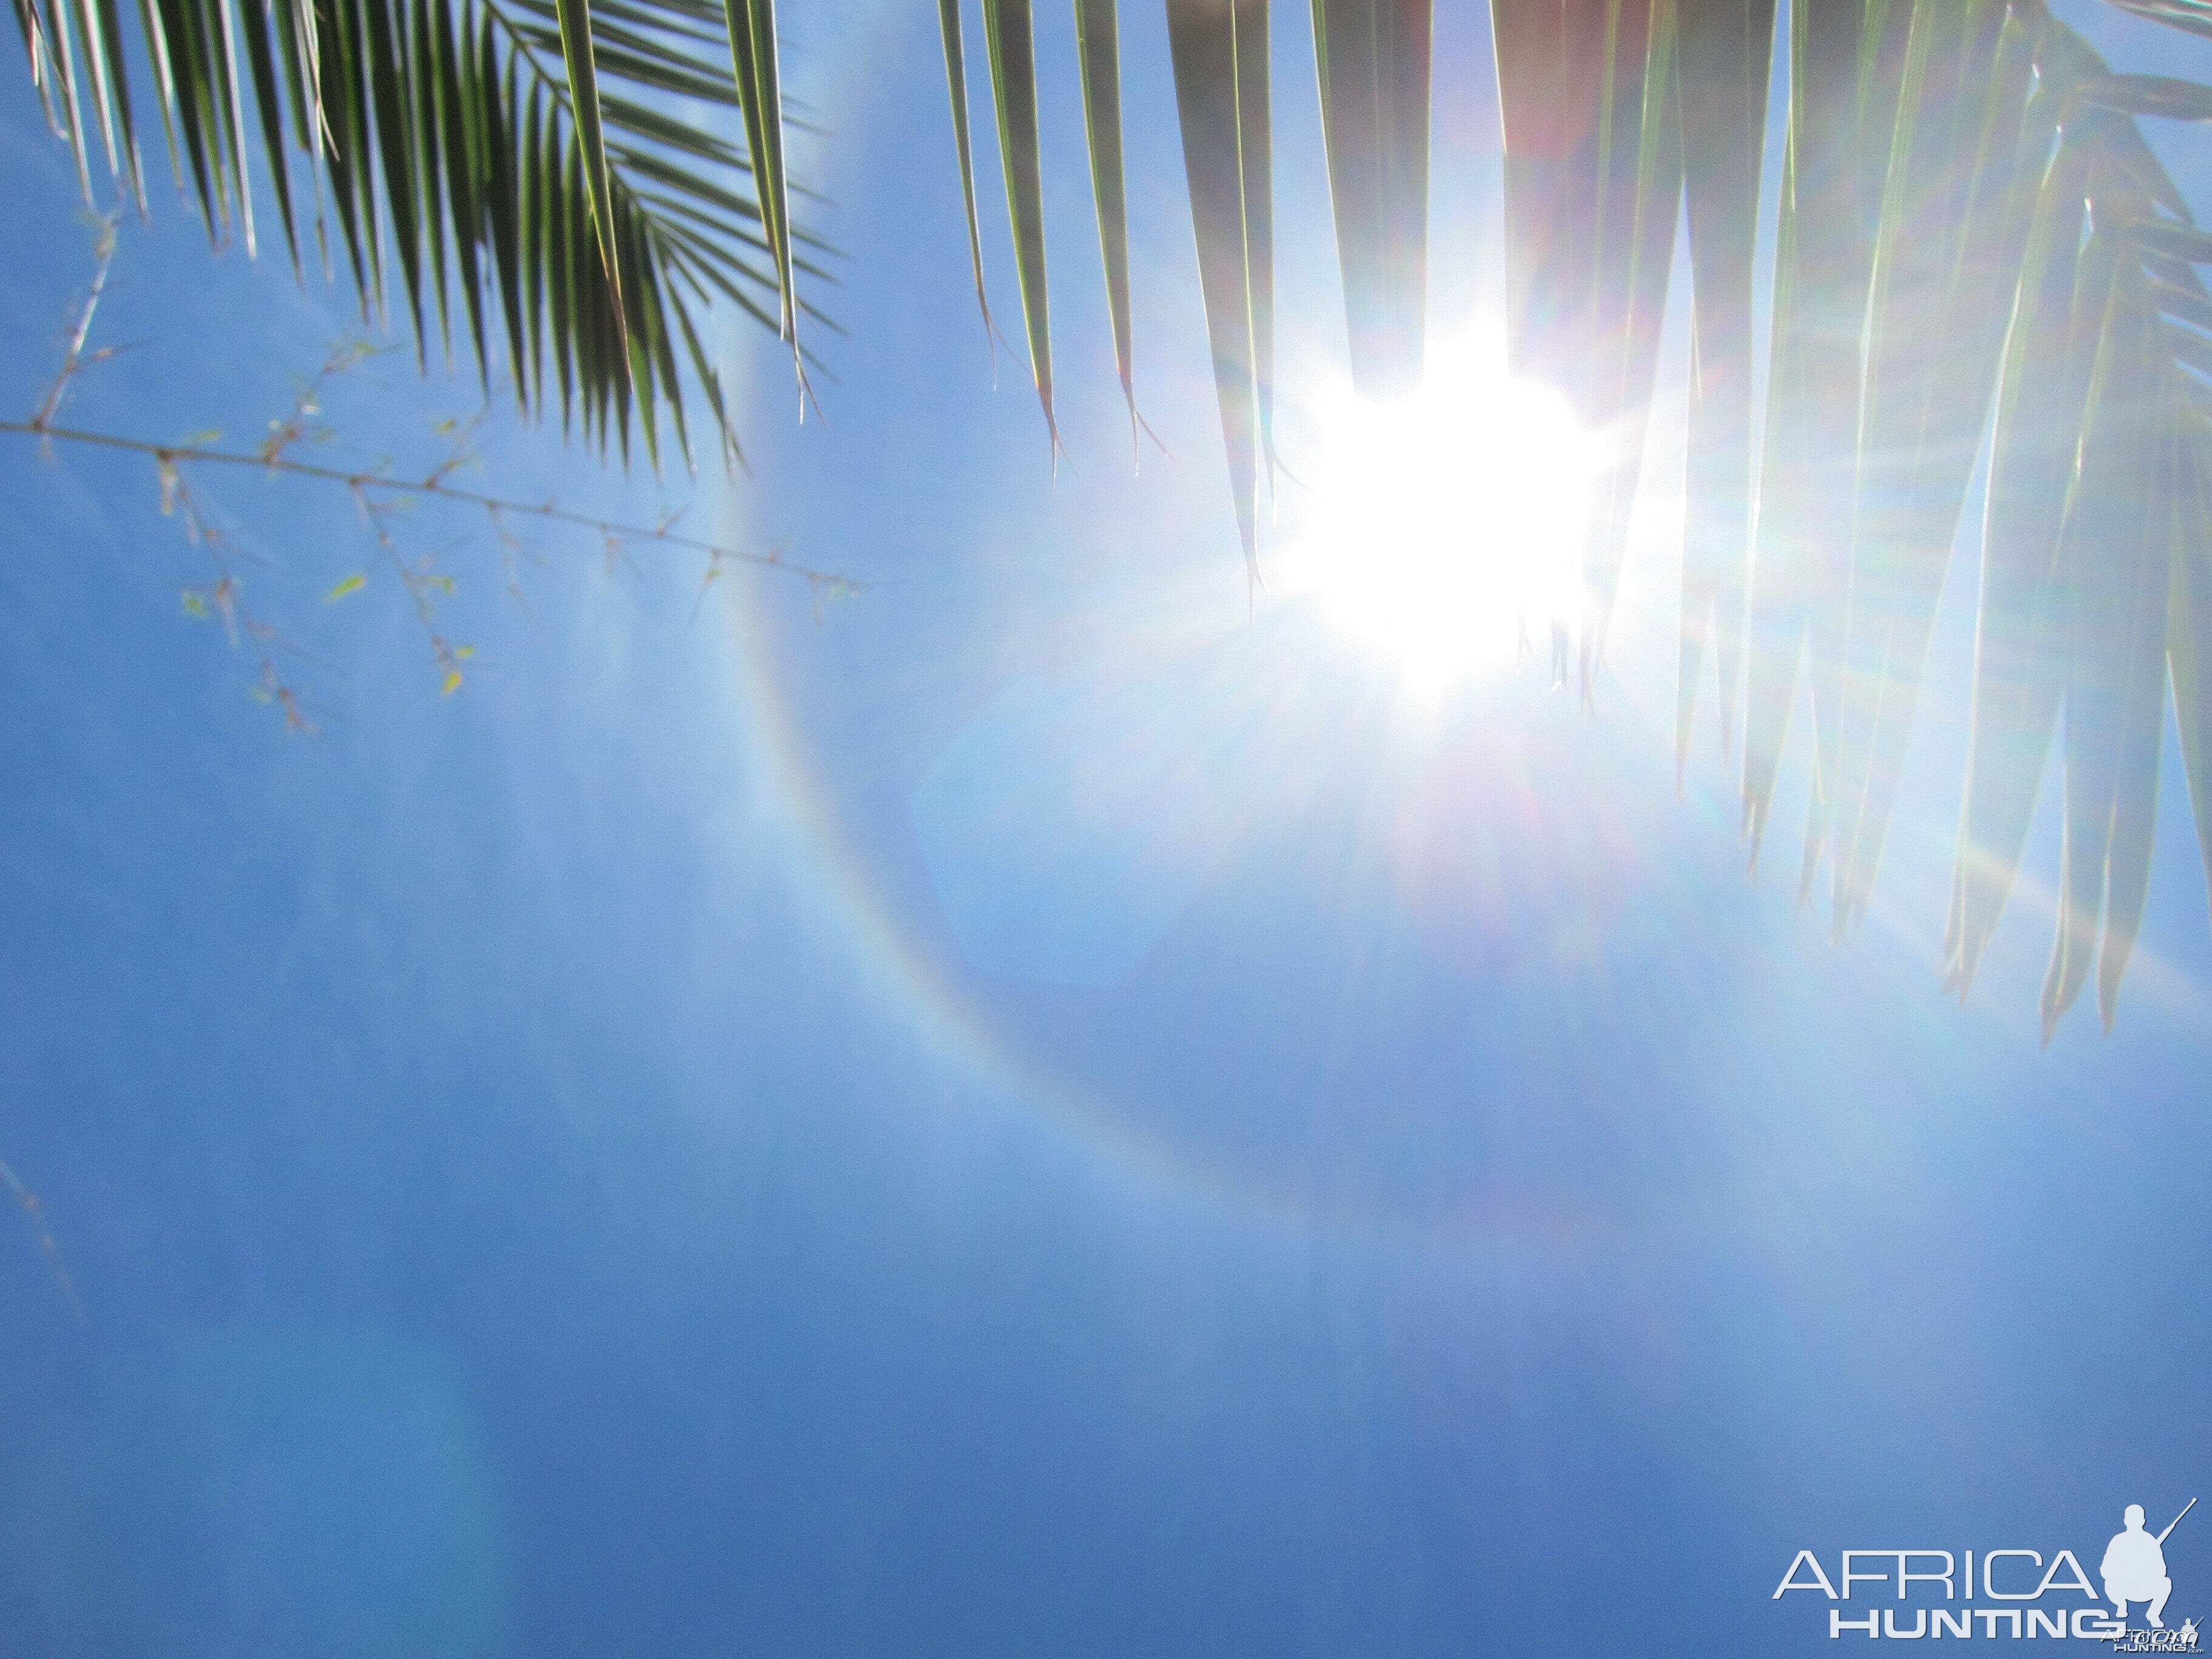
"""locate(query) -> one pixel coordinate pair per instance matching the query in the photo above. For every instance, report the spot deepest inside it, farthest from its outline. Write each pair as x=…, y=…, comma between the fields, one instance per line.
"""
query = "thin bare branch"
x=434, y=485
x=73, y=359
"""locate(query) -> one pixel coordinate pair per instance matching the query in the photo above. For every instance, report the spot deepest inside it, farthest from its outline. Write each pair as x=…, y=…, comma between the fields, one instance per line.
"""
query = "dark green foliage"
x=515, y=160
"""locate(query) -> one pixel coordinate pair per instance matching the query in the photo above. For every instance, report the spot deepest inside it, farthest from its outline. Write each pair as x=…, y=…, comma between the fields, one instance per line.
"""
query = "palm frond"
x=1097, y=34
x=1722, y=52
x=1588, y=92
x=1013, y=87
x=1219, y=49
x=1844, y=79
x=1639, y=170
x=2039, y=405
x=1951, y=226
x=2095, y=529
x=1373, y=62
x=956, y=73
x=521, y=158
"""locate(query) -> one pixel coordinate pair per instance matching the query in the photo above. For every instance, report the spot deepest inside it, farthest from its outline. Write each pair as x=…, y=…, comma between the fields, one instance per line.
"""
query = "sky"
x=1040, y=1107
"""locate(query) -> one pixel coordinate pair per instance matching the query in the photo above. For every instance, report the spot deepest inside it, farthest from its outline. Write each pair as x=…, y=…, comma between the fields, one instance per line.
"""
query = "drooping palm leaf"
x=1373, y=62
x=2040, y=398
x=1219, y=49
x=581, y=60
x=2086, y=599
x=956, y=75
x=2096, y=530
x=1920, y=134
x=2119, y=576
x=1638, y=166
x=1548, y=88
x=1722, y=54
x=523, y=154
x=1550, y=81
x=1966, y=142
x=1843, y=97
x=1593, y=192
x=753, y=62
x=2162, y=307
x=1098, y=37
x=1013, y=87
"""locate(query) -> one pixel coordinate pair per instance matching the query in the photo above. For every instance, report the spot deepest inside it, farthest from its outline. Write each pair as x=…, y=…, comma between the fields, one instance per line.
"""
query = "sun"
x=1444, y=528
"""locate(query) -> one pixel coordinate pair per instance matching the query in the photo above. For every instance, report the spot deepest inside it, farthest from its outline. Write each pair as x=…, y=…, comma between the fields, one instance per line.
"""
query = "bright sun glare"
x=1442, y=522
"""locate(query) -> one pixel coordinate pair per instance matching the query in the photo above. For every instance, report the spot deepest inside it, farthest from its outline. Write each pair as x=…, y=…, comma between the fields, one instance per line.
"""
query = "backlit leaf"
x=1219, y=49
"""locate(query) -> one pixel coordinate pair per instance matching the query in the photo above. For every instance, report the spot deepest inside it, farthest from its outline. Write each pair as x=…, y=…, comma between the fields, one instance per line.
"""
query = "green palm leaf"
x=1219, y=49
x=956, y=72
x=1013, y=85
x=1097, y=34
x=522, y=156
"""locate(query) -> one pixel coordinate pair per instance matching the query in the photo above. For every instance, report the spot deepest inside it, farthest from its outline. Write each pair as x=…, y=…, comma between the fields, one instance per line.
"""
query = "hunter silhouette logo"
x=2134, y=1566
x=2021, y=1582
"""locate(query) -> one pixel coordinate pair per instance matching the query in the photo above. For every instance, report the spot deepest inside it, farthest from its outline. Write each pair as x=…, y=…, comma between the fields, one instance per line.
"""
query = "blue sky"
x=1024, y=1112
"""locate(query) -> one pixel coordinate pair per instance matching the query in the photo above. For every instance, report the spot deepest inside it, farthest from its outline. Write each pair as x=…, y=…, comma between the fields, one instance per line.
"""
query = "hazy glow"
x=1442, y=522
